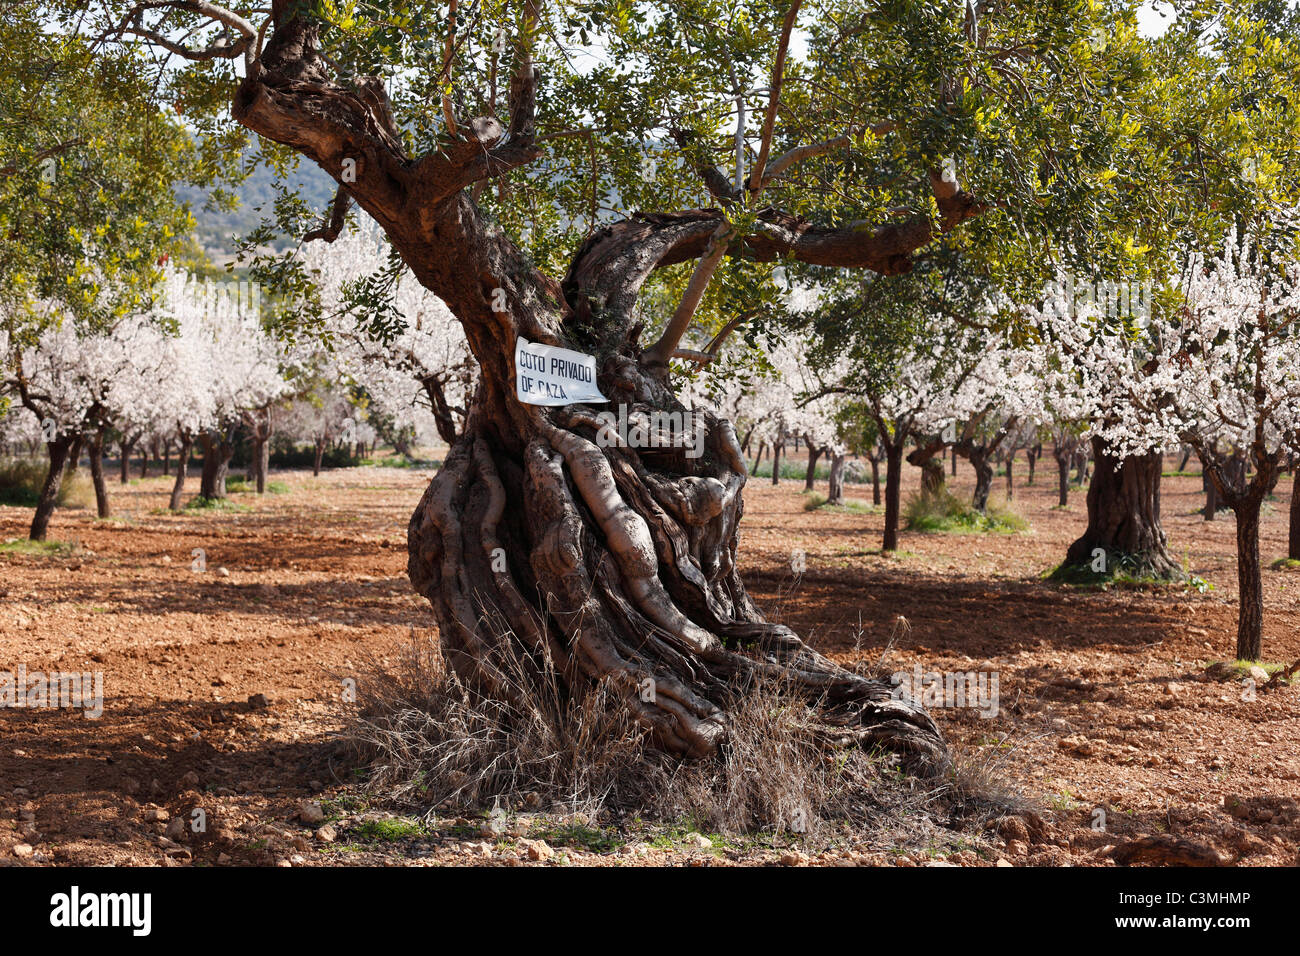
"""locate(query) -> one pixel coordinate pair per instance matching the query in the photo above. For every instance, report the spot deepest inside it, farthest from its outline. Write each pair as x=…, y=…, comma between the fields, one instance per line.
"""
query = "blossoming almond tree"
x=76, y=382
x=996, y=394
x=246, y=369
x=920, y=391
x=415, y=352
x=322, y=417
x=1219, y=370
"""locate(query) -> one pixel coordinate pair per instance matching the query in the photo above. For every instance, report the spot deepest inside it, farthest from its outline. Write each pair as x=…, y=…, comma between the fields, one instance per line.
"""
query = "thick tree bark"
x=617, y=564
x=182, y=467
x=1124, y=517
x=1011, y=463
x=1211, y=509
x=777, y=448
x=893, y=495
x=126, y=446
x=258, y=422
x=1250, y=583
x=1063, y=477
x=810, y=479
x=57, y=451
x=319, y=449
x=835, y=486
x=97, y=474
x=875, y=480
x=1032, y=454
x=218, y=449
x=1293, y=528
x=929, y=458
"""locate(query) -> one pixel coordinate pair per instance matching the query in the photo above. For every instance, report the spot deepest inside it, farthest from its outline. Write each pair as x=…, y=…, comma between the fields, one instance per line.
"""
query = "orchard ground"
x=1104, y=704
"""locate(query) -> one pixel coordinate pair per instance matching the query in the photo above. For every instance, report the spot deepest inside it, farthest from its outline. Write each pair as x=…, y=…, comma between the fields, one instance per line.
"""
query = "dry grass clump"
x=432, y=743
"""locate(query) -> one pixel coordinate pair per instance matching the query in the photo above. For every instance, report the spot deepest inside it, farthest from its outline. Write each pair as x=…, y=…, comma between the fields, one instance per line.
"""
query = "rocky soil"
x=225, y=688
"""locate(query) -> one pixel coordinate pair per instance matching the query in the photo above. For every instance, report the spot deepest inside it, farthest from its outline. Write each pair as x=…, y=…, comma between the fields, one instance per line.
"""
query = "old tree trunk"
x=1124, y=532
x=618, y=564
x=1245, y=493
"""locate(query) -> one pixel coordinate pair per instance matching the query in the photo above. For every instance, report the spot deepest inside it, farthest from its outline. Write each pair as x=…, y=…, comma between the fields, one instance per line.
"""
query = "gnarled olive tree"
x=620, y=563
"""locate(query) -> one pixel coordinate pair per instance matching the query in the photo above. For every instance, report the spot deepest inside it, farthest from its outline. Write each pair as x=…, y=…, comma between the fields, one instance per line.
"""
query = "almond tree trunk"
x=263, y=461
x=74, y=454
x=1124, y=517
x=929, y=458
x=1062, y=476
x=835, y=485
x=125, y=447
x=444, y=418
x=979, y=460
x=777, y=448
x=1250, y=585
x=1244, y=494
x=97, y=473
x=258, y=422
x=1293, y=528
x=617, y=564
x=810, y=479
x=218, y=449
x=980, y=452
x=57, y=451
x=182, y=467
x=893, y=494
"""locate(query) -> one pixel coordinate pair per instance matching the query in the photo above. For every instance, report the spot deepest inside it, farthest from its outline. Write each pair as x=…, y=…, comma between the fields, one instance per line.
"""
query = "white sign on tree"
x=547, y=375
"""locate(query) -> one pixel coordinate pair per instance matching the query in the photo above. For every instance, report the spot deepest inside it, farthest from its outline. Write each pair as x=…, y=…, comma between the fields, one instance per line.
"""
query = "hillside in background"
x=218, y=231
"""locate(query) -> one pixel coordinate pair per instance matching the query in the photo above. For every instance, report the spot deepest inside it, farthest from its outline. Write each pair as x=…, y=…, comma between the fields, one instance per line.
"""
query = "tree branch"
x=657, y=355
x=222, y=49
x=769, y=121
x=706, y=355
x=715, y=180
x=609, y=268
x=448, y=53
x=330, y=229
x=44, y=155
x=800, y=153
